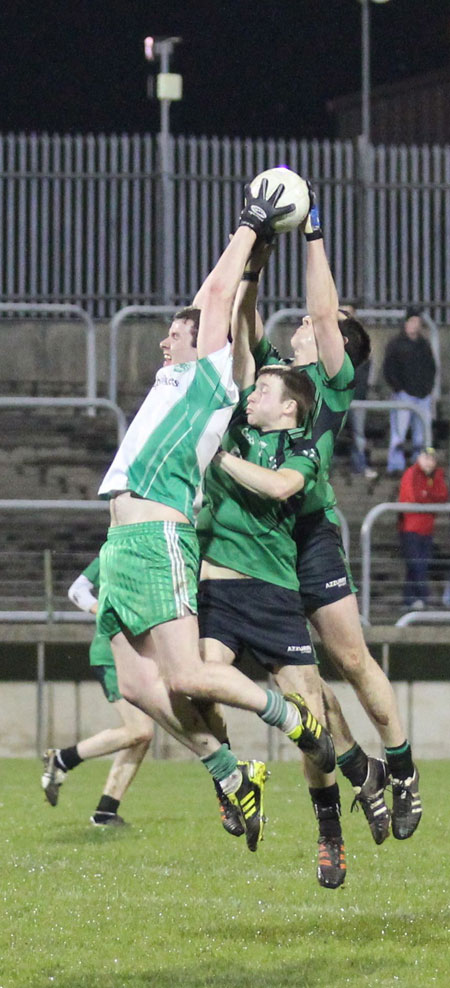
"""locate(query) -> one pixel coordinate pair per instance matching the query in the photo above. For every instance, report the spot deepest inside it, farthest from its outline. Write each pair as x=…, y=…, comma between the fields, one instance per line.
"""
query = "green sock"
x=221, y=764
x=276, y=711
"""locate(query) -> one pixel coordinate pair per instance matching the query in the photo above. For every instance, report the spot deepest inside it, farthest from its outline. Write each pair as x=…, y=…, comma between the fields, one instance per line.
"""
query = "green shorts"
x=148, y=575
x=102, y=662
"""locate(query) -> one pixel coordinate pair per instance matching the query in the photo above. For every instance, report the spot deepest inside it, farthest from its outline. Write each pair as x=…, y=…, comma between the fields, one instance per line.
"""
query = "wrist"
x=251, y=275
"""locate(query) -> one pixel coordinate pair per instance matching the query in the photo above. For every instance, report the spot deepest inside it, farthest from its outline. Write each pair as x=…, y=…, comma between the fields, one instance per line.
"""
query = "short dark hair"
x=191, y=314
x=358, y=345
x=296, y=385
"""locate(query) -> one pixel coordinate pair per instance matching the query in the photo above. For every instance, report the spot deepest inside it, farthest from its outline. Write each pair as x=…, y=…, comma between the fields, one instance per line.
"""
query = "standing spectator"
x=409, y=369
x=423, y=483
x=357, y=422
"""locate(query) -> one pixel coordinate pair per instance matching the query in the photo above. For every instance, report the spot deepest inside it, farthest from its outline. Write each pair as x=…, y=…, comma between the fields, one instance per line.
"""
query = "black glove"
x=311, y=226
x=260, y=212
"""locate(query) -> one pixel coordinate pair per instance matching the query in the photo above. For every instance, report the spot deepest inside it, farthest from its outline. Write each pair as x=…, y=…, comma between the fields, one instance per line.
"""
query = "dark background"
x=249, y=68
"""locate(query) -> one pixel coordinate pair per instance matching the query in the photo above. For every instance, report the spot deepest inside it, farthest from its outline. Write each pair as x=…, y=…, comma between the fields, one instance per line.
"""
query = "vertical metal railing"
x=79, y=219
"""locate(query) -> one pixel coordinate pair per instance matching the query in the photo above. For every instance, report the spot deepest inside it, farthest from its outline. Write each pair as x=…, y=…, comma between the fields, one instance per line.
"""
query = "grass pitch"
x=172, y=900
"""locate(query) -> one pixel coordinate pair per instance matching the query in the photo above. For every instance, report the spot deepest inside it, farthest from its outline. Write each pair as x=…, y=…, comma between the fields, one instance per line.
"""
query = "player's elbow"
x=284, y=489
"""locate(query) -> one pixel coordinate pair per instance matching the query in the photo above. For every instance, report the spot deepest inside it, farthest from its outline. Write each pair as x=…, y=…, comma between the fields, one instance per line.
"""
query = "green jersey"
x=328, y=416
x=175, y=433
x=92, y=573
x=248, y=532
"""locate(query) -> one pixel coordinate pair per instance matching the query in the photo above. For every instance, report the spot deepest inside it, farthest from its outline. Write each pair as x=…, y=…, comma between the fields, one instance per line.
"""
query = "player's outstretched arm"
x=246, y=323
x=215, y=298
x=321, y=296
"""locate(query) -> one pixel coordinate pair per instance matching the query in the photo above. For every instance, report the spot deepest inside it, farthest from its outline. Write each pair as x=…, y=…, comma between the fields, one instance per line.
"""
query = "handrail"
x=25, y=402
x=391, y=404
x=43, y=617
x=27, y=504
x=116, y=322
x=366, y=529
x=388, y=314
x=423, y=617
x=69, y=310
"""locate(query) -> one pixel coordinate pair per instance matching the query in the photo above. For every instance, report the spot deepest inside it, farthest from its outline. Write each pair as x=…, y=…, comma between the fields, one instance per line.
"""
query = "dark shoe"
x=406, y=806
x=230, y=815
x=52, y=777
x=332, y=868
x=371, y=798
x=249, y=800
x=107, y=819
x=311, y=737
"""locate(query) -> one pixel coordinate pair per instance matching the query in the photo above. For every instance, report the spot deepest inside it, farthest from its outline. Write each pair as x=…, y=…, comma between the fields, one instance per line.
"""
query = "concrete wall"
x=74, y=711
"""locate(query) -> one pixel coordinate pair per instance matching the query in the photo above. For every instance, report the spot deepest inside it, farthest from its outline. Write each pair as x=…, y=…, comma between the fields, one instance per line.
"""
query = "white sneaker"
x=53, y=776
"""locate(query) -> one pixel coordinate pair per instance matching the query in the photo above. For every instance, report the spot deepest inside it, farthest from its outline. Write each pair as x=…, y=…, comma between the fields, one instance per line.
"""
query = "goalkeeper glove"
x=261, y=211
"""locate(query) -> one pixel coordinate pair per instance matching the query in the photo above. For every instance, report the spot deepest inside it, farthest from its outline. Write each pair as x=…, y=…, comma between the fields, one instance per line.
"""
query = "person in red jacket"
x=423, y=483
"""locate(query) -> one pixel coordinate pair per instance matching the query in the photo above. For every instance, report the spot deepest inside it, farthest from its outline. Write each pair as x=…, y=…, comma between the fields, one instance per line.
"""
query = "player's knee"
x=354, y=663
x=187, y=682
x=142, y=736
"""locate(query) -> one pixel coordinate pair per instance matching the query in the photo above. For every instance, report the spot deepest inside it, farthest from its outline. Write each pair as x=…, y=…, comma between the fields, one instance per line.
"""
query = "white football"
x=295, y=191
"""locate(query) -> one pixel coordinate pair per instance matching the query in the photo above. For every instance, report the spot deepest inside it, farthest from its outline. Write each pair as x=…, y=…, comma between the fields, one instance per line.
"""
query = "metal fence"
x=87, y=220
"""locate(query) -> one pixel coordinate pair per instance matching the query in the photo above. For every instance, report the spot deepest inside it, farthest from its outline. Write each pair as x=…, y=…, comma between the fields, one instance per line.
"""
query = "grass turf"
x=172, y=900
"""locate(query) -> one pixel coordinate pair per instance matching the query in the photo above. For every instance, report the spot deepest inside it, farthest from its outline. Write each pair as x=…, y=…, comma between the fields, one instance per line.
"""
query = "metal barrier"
x=66, y=310
x=116, y=322
x=397, y=315
x=390, y=405
x=366, y=530
x=71, y=403
x=423, y=617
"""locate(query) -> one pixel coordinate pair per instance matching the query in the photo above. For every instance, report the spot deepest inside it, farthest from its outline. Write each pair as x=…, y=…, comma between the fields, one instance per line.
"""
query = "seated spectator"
x=422, y=483
x=410, y=370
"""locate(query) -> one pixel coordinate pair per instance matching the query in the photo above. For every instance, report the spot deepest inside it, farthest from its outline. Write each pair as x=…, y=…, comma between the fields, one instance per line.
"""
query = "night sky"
x=249, y=68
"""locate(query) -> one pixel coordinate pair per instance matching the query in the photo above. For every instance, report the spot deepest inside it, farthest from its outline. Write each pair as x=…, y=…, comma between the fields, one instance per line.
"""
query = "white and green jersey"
x=175, y=433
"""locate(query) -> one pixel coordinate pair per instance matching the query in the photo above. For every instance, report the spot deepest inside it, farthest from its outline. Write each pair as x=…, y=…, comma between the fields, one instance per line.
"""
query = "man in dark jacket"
x=409, y=369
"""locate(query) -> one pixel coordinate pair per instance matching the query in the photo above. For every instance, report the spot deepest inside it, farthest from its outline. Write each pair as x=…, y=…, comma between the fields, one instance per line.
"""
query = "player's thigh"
x=176, y=646
x=212, y=650
x=135, y=662
x=339, y=628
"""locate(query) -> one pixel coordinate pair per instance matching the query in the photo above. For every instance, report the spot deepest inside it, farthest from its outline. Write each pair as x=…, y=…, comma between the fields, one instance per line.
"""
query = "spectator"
x=409, y=369
x=357, y=422
x=357, y=416
x=422, y=483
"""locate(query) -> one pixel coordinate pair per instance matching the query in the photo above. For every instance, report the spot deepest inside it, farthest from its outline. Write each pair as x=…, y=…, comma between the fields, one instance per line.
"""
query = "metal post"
x=48, y=584
x=165, y=206
x=365, y=70
x=40, y=684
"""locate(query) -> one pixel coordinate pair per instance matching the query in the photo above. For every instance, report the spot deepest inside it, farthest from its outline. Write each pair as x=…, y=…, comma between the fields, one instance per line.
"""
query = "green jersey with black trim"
x=175, y=433
x=248, y=532
x=326, y=420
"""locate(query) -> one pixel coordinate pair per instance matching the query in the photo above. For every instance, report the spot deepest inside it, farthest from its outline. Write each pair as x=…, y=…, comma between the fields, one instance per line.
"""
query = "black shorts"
x=322, y=566
x=267, y=619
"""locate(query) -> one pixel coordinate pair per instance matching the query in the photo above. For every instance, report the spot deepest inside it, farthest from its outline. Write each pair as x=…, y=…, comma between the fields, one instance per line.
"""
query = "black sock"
x=327, y=808
x=68, y=758
x=354, y=764
x=108, y=805
x=400, y=763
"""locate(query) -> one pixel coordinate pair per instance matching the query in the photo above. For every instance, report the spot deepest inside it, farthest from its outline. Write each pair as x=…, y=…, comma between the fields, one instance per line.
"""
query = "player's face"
x=177, y=347
x=265, y=405
x=303, y=341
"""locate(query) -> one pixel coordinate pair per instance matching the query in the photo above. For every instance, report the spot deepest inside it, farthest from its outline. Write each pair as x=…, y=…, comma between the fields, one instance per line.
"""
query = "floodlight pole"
x=163, y=48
